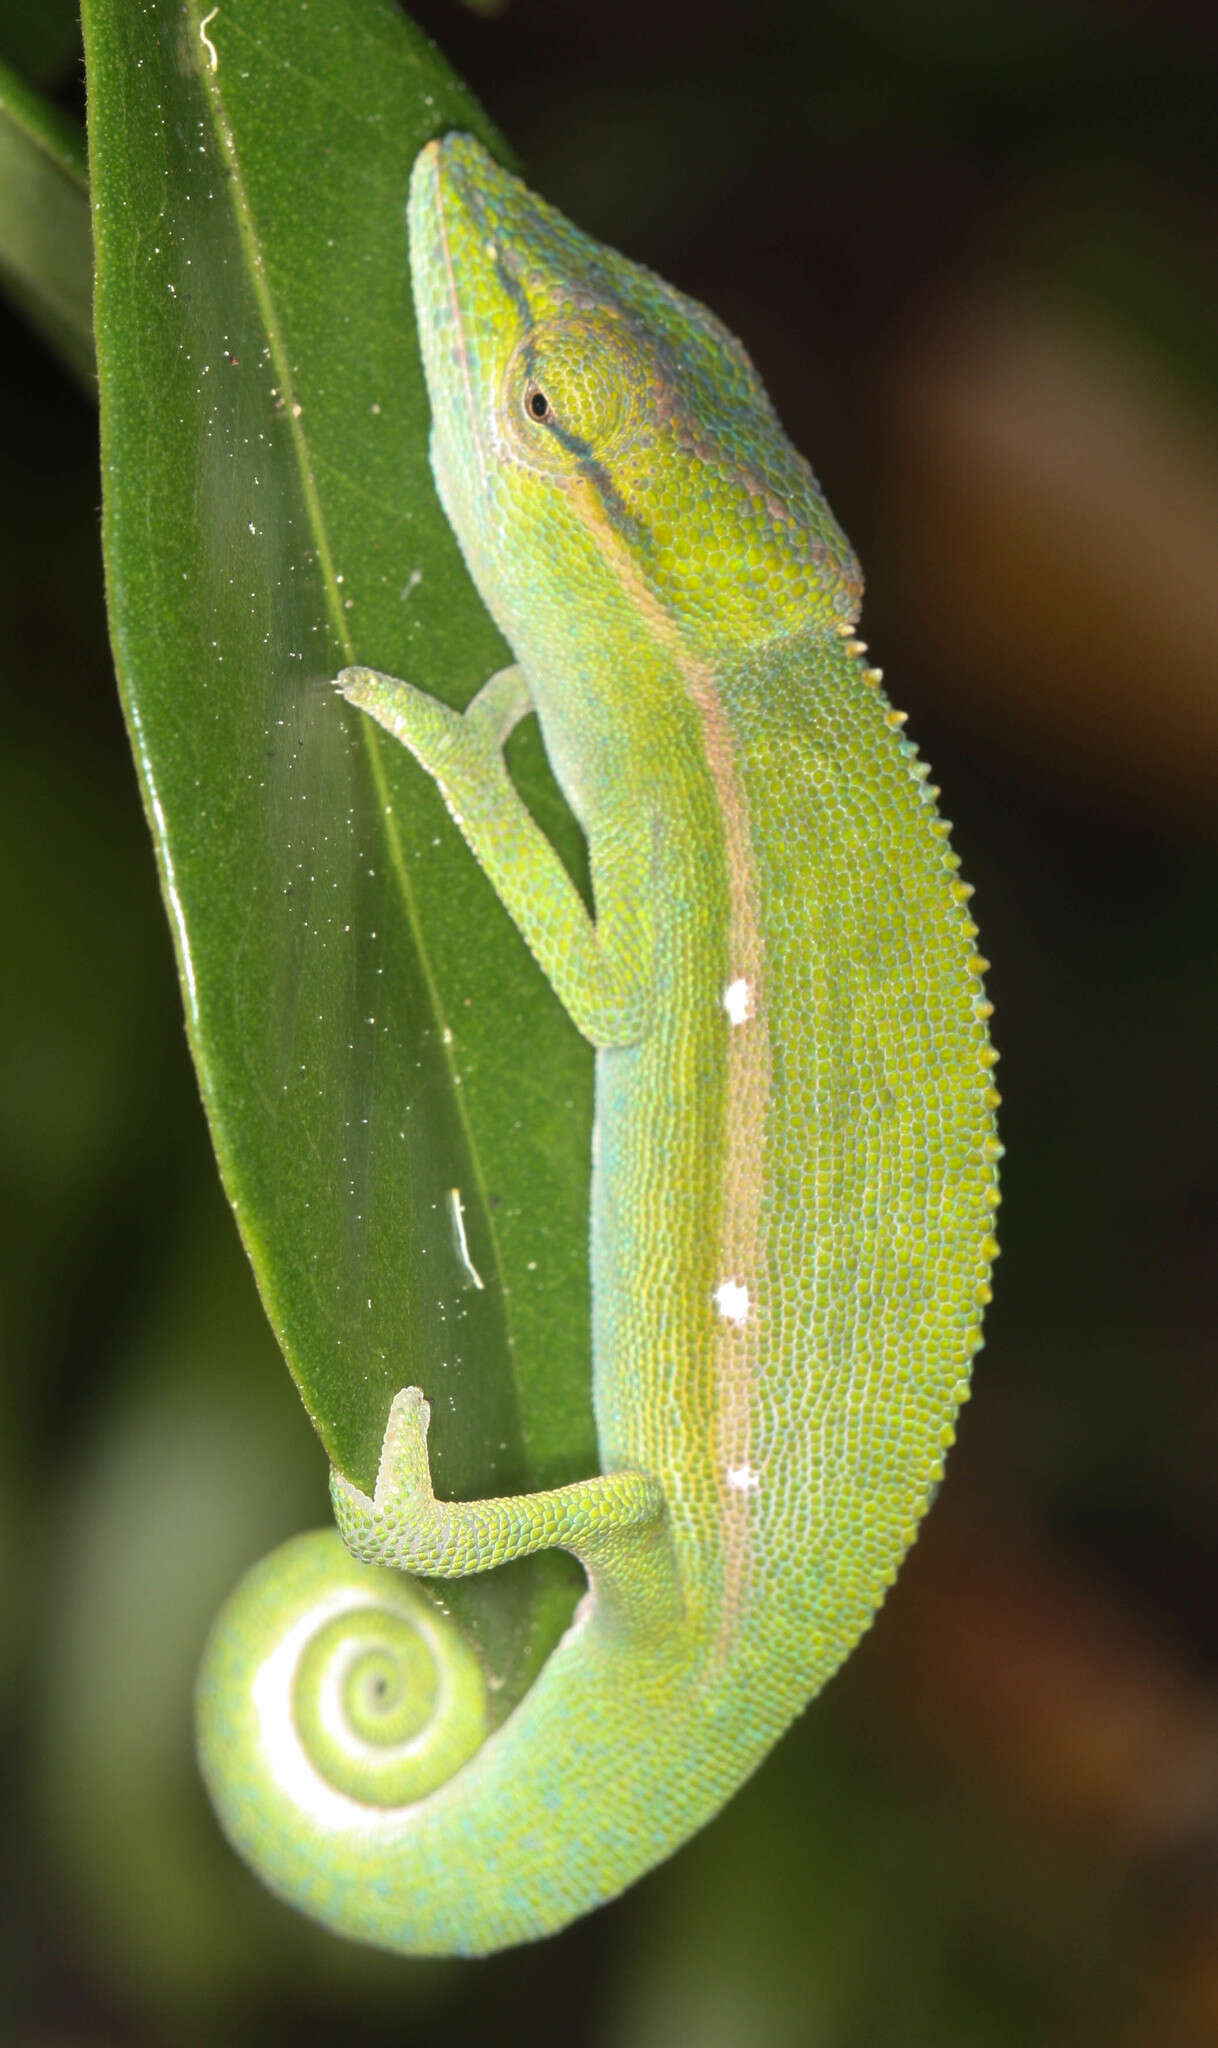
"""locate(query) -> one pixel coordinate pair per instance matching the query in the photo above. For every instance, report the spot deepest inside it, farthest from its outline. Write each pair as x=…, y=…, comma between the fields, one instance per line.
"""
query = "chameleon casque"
x=794, y=1170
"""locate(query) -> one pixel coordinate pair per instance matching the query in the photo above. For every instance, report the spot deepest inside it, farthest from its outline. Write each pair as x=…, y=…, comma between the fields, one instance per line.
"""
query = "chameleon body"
x=794, y=1172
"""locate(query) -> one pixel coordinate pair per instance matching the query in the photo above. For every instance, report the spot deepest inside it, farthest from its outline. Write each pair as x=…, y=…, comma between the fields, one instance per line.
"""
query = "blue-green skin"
x=795, y=1170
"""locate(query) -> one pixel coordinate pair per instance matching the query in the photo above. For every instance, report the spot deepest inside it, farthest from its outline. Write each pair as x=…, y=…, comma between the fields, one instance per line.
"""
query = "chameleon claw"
x=404, y=1472
x=403, y=1480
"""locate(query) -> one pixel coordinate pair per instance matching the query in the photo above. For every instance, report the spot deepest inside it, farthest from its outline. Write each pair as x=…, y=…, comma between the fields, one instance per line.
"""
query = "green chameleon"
x=794, y=1163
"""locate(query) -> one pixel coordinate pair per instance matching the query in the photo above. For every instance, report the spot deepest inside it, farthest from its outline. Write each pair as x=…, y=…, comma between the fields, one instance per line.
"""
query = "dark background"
x=972, y=249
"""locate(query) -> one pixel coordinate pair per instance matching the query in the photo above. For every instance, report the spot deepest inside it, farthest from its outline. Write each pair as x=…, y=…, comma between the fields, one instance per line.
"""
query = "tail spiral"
x=331, y=1690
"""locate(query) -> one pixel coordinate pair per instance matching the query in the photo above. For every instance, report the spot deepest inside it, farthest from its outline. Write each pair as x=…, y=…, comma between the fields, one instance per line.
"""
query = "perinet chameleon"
x=794, y=1168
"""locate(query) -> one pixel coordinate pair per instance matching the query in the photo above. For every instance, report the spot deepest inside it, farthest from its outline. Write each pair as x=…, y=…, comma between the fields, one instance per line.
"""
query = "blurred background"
x=972, y=249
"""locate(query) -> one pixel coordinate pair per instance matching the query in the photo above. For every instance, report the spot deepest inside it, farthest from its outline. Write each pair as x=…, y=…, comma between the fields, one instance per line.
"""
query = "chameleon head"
x=576, y=395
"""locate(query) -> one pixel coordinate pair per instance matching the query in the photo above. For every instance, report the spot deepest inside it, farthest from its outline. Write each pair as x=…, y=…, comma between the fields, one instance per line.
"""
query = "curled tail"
x=344, y=1719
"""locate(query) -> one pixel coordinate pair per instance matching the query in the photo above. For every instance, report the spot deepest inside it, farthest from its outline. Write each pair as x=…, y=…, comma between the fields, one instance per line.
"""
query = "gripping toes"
x=434, y=732
x=404, y=1492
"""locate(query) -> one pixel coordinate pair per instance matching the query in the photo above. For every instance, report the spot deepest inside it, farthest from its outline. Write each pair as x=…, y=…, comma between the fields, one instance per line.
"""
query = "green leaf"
x=46, y=243
x=370, y=1034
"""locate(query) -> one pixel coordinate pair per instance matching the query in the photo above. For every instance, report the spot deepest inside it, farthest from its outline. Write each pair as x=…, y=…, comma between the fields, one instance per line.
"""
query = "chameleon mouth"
x=439, y=229
x=469, y=308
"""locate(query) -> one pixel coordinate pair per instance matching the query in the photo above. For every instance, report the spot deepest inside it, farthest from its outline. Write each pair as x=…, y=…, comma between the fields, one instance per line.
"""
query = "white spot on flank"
x=412, y=583
x=742, y=1478
x=738, y=1001
x=206, y=40
x=475, y=1277
x=732, y=1300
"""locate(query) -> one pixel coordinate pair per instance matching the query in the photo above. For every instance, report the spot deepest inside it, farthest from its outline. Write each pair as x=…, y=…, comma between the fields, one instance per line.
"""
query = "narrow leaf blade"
x=400, y=1110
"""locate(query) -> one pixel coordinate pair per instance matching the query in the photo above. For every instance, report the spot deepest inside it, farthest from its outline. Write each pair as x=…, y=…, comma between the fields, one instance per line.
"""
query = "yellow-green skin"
x=794, y=1174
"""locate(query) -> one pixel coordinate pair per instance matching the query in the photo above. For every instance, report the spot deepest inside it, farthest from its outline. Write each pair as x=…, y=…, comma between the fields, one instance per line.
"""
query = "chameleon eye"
x=537, y=405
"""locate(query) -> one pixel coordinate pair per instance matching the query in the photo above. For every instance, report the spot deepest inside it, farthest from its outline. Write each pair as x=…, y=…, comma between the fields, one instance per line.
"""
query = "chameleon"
x=794, y=1167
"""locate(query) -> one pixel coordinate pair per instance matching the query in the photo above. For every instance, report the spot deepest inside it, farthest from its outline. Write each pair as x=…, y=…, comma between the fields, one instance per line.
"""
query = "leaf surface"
x=400, y=1109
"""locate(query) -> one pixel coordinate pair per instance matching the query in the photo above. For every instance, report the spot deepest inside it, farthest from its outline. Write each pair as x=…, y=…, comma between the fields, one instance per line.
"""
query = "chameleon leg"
x=603, y=990
x=499, y=706
x=403, y=1523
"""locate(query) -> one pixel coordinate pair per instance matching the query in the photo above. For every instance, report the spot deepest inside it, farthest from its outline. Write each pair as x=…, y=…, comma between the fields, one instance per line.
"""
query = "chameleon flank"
x=795, y=1172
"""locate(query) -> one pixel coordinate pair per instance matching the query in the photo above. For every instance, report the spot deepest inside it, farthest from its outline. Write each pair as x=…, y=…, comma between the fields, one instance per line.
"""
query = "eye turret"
x=589, y=375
